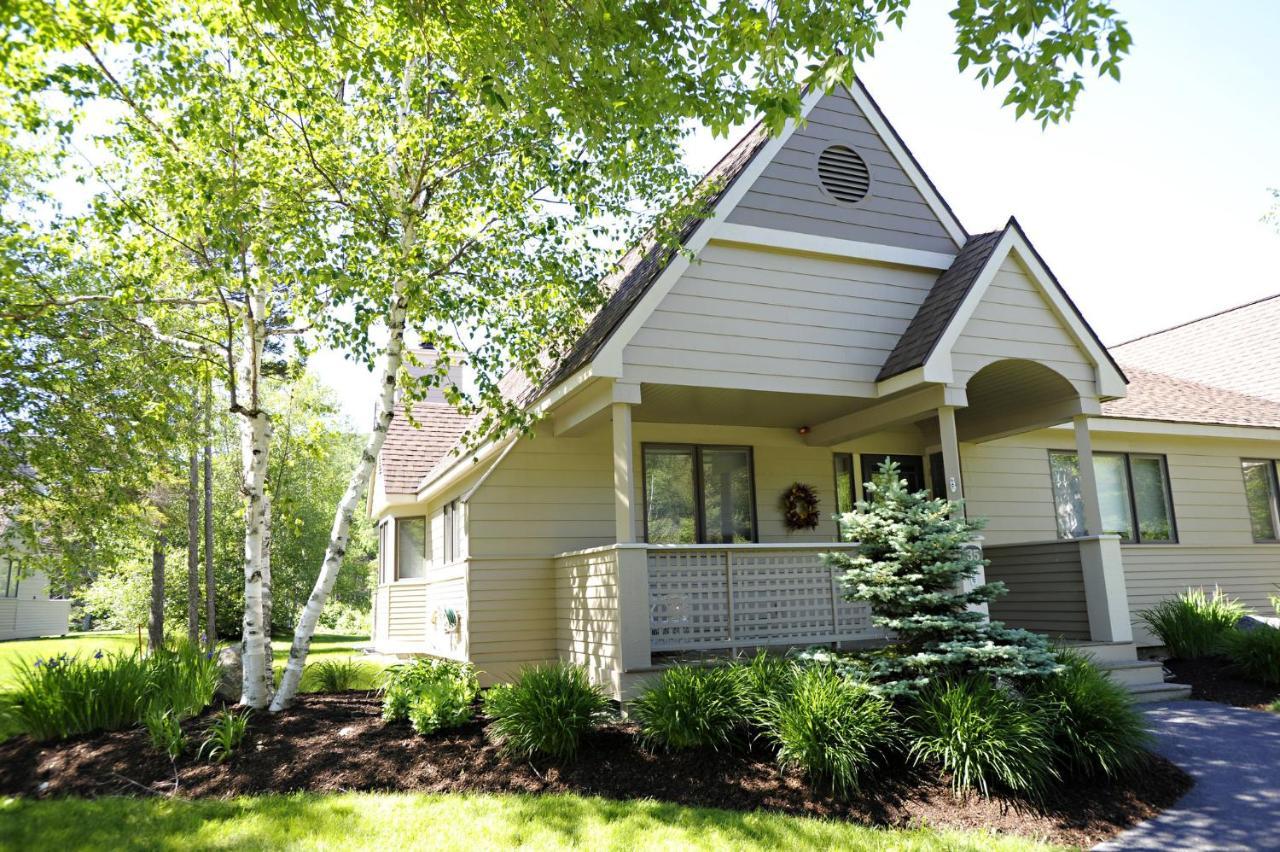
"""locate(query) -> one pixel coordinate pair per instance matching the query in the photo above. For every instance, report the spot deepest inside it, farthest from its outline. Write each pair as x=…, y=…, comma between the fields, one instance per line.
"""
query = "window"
x=910, y=468
x=1130, y=486
x=452, y=531
x=1262, y=493
x=411, y=548
x=698, y=494
x=382, y=551
x=10, y=573
x=844, y=482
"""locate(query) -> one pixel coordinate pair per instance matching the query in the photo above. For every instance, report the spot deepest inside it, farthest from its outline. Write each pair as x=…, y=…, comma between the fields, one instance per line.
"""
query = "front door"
x=910, y=468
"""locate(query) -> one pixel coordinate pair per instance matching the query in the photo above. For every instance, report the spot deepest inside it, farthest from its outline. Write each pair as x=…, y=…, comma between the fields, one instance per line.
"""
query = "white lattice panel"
x=688, y=600
x=779, y=597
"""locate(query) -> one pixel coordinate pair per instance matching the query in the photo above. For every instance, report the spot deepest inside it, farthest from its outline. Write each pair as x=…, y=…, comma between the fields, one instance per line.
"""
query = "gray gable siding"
x=787, y=195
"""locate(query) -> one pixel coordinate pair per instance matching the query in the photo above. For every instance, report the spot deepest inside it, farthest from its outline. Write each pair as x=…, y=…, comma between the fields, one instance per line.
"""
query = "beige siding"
x=1014, y=320
x=549, y=495
x=1249, y=572
x=1007, y=481
x=587, y=617
x=760, y=320
x=1046, y=588
x=787, y=195
x=555, y=495
x=24, y=618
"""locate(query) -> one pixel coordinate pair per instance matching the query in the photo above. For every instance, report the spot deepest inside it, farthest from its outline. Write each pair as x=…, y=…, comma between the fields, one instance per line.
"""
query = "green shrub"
x=449, y=686
x=765, y=677
x=225, y=733
x=1255, y=654
x=1194, y=624
x=835, y=731
x=985, y=737
x=545, y=712
x=64, y=696
x=1092, y=719
x=692, y=707
x=447, y=703
x=166, y=732
x=336, y=676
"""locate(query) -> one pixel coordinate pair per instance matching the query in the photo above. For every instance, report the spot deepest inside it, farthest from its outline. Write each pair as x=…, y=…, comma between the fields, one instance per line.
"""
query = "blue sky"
x=1147, y=205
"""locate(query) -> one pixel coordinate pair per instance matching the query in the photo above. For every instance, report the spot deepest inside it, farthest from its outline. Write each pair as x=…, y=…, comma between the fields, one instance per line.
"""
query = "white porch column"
x=1088, y=477
x=1105, y=593
x=950, y=452
x=623, y=474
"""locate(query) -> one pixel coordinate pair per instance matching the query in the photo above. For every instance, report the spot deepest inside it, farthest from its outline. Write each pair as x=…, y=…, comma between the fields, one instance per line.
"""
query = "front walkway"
x=1234, y=755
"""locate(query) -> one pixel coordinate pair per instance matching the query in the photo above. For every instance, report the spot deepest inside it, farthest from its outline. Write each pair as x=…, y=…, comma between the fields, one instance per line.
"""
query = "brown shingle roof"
x=1156, y=396
x=1235, y=349
x=409, y=452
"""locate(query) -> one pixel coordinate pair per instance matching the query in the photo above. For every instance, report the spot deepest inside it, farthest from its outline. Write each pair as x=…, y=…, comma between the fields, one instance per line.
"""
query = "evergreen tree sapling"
x=912, y=567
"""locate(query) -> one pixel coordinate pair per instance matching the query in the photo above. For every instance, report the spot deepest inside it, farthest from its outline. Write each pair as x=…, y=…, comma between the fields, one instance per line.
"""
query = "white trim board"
x=773, y=238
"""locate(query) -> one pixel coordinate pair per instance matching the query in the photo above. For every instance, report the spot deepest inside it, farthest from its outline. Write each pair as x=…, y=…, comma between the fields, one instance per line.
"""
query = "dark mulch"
x=339, y=742
x=1213, y=679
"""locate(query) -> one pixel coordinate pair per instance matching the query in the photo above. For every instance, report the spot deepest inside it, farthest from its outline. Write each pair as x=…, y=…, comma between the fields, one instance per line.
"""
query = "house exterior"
x=833, y=311
x=26, y=610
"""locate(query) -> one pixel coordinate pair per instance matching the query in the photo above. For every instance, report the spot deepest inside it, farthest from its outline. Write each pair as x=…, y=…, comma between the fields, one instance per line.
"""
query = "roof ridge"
x=1186, y=323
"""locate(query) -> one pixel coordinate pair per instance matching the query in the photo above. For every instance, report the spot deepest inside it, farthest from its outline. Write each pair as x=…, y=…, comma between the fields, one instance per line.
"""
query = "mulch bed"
x=328, y=743
x=1212, y=679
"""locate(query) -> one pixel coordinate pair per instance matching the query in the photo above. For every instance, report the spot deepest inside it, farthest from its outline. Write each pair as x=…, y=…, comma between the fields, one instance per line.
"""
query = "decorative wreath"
x=800, y=507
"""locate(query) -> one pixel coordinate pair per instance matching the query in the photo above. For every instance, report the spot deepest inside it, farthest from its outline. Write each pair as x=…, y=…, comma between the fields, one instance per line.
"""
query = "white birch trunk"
x=255, y=442
x=266, y=591
x=338, y=537
x=193, y=548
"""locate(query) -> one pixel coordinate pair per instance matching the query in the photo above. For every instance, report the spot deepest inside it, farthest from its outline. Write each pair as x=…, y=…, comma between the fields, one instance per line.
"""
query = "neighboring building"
x=26, y=610
x=835, y=312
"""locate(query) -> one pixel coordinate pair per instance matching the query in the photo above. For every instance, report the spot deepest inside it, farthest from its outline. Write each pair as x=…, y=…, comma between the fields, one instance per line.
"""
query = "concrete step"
x=1151, y=693
x=1107, y=652
x=1134, y=674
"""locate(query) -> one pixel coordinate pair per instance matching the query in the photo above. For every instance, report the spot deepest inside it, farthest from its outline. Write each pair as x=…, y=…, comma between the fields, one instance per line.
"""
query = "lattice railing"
x=703, y=597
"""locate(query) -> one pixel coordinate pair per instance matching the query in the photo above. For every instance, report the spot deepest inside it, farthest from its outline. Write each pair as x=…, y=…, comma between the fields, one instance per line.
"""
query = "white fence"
x=731, y=596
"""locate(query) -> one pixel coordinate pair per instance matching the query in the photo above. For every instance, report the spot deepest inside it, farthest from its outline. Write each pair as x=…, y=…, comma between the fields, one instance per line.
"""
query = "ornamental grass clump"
x=1096, y=728
x=1194, y=624
x=546, y=712
x=1255, y=654
x=225, y=733
x=985, y=737
x=836, y=732
x=65, y=695
x=693, y=707
x=336, y=676
x=764, y=677
x=912, y=566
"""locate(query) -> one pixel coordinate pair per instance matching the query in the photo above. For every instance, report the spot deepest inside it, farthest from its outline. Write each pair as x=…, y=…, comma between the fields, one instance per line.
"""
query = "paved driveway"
x=1234, y=755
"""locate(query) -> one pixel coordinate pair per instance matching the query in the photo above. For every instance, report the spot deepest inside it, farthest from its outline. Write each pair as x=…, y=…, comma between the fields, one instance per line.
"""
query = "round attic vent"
x=843, y=173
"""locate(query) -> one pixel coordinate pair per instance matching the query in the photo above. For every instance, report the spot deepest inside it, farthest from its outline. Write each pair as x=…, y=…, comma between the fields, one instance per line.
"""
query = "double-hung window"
x=412, y=548
x=695, y=494
x=1262, y=493
x=1133, y=493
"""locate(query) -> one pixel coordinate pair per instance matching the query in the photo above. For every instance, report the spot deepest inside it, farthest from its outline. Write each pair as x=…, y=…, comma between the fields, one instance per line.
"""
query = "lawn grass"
x=325, y=646
x=464, y=822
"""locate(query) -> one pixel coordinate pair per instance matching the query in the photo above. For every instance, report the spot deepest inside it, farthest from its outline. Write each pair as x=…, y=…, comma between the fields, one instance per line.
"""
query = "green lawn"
x=404, y=821
x=323, y=647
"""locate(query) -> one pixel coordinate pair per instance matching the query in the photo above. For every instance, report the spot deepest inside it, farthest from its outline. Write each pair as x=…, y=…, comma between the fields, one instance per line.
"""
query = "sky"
x=1147, y=205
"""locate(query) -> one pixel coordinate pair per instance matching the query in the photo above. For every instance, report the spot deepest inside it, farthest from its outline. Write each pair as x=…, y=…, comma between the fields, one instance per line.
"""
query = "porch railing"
x=704, y=597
